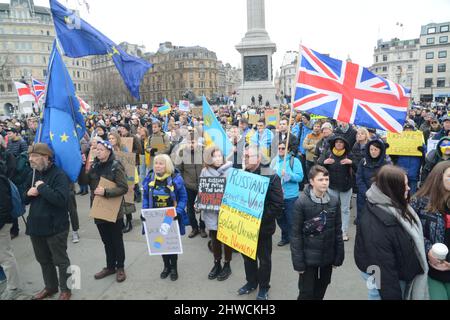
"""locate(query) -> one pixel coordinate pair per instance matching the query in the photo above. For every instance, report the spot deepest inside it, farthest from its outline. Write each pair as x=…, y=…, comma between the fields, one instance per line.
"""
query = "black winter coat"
x=5, y=201
x=318, y=250
x=381, y=241
x=49, y=211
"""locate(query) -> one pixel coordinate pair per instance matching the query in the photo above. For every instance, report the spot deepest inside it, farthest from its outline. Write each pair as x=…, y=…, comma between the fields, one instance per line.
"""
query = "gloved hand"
x=176, y=218
x=142, y=218
x=420, y=148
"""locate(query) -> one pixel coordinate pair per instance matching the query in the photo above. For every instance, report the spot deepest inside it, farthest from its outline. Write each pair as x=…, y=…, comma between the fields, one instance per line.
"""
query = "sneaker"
x=194, y=233
x=283, y=243
x=203, y=234
x=10, y=294
x=247, y=289
x=345, y=237
x=263, y=294
x=75, y=237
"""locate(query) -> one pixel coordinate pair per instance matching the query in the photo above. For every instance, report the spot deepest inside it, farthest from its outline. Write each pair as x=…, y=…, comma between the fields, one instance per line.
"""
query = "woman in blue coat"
x=374, y=159
x=164, y=188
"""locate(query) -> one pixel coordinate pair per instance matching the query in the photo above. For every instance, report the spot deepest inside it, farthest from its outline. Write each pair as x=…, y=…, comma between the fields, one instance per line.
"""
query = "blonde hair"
x=170, y=169
x=365, y=132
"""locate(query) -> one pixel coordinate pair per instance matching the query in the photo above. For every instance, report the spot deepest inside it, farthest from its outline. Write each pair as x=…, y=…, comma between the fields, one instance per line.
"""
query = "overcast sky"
x=340, y=28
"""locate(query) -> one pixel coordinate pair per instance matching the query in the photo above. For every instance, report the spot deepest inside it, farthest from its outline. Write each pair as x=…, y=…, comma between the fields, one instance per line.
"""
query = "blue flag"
x=213, y=133
x=62, y=123
x=79, y=39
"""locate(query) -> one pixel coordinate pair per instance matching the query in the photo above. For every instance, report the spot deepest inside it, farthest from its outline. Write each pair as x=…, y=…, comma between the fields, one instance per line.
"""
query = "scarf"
x=326, y=198
x=417, y=289
x=338, y=153
x=170, y=187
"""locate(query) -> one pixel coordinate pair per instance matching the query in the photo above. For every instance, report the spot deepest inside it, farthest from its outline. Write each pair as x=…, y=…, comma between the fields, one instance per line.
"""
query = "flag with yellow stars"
x=213, y=133
x=62, y=122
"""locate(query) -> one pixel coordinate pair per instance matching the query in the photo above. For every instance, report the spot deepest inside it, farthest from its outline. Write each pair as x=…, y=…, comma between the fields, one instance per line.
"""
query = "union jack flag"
x=38, y=88
x=349, y=93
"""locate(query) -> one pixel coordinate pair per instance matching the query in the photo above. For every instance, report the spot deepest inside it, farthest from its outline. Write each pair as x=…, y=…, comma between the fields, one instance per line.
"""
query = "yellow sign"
x=238, y=230
x=405, y=143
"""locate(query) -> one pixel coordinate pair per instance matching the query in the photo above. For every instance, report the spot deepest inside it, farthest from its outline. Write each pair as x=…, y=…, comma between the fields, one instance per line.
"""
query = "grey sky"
x=340, y=28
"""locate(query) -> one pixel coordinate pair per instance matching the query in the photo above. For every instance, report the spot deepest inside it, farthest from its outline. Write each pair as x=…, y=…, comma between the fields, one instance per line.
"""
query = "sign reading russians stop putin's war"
x=241, y=211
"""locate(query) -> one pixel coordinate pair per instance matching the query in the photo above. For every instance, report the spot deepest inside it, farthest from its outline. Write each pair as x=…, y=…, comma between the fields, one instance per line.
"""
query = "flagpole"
x=293, y=89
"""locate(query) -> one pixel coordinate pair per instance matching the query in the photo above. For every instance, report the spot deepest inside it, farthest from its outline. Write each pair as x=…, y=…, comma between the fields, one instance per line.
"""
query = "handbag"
x=315, y=225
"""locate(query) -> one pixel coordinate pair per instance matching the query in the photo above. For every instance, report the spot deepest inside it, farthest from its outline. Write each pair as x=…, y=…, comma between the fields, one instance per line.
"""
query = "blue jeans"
x=2, y=274
x=345, y=198
x=374, y=293
x=413, y=186
x=285, y=222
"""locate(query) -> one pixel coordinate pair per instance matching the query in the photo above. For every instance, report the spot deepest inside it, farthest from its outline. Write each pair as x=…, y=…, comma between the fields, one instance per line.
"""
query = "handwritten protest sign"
x=253, y=119
x=272, y=117
x=210, y=193
x=241, y=211
x=405, y=143
x=157, y=142
x=162, y=232
x=127, y=143
x=129, y=162
x=106, y=209
x=184, y=106
x=432, y=145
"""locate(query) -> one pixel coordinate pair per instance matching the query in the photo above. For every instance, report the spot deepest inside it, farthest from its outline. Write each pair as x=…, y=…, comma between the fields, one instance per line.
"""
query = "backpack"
x=18, y=208
x=23, y=169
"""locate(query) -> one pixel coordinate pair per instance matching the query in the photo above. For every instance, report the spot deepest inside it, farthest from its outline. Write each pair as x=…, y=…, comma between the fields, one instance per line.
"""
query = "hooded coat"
x=432, y=159
x=340, y=175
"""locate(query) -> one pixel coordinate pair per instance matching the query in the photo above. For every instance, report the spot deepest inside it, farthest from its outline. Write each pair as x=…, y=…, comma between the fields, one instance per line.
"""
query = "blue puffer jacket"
x=411, y=165
x=367, y=169
x=301, y=131
x=181, y=198
x=293, y=176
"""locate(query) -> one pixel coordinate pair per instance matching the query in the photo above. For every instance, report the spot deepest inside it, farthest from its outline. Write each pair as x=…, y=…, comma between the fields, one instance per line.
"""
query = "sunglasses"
x=281, y=148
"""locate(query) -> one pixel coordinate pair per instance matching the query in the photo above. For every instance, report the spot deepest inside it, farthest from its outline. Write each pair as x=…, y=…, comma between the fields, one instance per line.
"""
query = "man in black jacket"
x=48, y=221
x=273, y=208
x=7, y=260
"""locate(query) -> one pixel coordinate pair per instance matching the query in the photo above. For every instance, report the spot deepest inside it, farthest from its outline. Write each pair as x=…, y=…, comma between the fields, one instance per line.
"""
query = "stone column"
x=256, y=15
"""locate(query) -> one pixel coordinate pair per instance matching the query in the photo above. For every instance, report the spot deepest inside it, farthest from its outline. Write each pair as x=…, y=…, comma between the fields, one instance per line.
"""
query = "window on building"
x=430, y=40
x=384, y=69
x=385, y=58
x=442, y=54
x=79, y=87
x=428, y=82
x=48, y=33
x=444, y=28
x=411, y=55
x=431, y=30
x=430, y=55
x=442, y=67
x=2, y=88
x=429, y=69
x=443, y=39
x=440, y=82
x=9, y=87
x=410, y=67
x=44, y=72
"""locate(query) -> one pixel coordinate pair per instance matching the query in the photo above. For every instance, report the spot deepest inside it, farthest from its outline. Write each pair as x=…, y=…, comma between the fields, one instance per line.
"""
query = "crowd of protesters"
x=315, y=166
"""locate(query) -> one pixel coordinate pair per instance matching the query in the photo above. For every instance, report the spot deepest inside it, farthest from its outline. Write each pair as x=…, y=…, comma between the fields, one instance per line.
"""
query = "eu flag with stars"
x=79, y=39
x=62, y=122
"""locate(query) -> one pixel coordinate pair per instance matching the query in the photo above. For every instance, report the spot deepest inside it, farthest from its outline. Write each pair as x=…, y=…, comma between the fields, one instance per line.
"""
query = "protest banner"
x=157, y=143
x=145, y=106
x=253, y=119
x=316, y=117
x=127, y=143
x=197, y=112
x=210, y=193
x=128, y=107
x=162, y=232
x=405, y=143
x=184, y=106
x=272, y=117
x=241, y=211
x=106, y=209
x=432, y=145
x=129, y=162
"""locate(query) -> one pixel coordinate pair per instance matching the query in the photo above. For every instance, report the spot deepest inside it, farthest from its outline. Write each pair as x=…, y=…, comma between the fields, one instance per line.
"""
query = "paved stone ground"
x=143, y=282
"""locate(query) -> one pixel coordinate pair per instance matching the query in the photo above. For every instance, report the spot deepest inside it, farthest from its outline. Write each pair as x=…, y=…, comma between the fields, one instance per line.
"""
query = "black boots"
x=165, y=272
x=128, y=226
x=215, y=270
x=226, y=272
x=174, y=273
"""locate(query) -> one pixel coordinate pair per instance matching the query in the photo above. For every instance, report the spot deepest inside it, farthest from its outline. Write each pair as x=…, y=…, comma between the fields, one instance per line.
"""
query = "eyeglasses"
x=281, y=148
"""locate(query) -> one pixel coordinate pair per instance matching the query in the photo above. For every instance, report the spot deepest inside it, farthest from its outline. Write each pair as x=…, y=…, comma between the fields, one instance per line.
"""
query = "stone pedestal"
x=256, y=49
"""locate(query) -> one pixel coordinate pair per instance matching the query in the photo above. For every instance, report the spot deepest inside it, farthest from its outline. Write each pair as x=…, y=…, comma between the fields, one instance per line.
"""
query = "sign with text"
x=103, y=208
x=129, y=162
x=210, y=193
x=127, y=143
x=184, y=106
x=162, y=231
x=405, y=143
x=241, y=211
x=272, y=117
x=253, y=119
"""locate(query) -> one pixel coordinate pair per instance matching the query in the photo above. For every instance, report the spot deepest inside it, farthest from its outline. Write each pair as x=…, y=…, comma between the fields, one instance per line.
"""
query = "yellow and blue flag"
x=165, y=109
x=62, y=122
x=213, y=133
x=79, y=39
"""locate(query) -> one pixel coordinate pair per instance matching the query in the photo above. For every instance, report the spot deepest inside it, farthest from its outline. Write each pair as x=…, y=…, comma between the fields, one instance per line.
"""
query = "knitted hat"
x=41, y=148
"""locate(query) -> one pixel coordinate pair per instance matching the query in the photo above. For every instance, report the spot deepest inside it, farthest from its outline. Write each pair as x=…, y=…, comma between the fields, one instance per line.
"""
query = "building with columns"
x=26, y=38
x=288, y=72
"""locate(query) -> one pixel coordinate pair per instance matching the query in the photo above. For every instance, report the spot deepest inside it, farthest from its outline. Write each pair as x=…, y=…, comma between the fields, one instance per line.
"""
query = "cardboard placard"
x=162, y=232
x=157, y=143
x=106, y=209
x=405, y=143
x=197, y=112
x=129, y=162
x=272, y=117
x=127, y=143
x=210, y=193
x=253, y=119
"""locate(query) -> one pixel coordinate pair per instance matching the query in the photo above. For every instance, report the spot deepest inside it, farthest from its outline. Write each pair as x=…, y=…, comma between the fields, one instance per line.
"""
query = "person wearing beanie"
x=48, y=221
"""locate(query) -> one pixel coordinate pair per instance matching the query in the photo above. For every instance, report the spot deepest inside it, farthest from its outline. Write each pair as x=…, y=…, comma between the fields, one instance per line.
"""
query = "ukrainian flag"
x=165, y=109
x=213, y=132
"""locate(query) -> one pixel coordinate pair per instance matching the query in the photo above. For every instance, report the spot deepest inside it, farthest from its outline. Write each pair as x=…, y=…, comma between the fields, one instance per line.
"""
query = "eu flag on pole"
x=62, y=123
x=79, y=39
x=213, y=133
